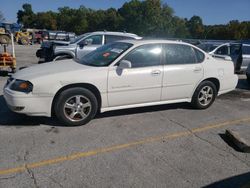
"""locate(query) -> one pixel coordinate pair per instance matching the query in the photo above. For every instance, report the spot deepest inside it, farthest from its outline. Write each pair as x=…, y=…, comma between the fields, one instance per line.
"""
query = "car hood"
x=50, y=68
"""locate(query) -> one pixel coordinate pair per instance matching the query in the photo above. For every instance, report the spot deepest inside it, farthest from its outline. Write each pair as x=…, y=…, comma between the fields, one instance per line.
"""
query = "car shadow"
x=147, y=109
x=9, y=118
x=242, y=181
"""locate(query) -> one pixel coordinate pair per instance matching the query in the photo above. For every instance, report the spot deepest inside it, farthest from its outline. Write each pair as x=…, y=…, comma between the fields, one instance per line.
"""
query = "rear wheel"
x=204, y=95
x=76, y=106
x=62, y=57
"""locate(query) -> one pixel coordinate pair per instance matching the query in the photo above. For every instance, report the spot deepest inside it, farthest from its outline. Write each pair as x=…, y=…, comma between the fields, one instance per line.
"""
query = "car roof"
x=153, y=41
x=116, y=33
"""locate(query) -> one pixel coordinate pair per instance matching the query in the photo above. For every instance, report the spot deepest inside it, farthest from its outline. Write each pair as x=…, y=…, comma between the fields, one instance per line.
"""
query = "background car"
x=209, y=46
x=119, y=75
x=84, y=44
x=238, y=52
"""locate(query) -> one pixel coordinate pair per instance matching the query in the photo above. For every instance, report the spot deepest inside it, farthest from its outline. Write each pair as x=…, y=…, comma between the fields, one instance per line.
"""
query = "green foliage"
x=196, y=27
x=26, y=16
x=150, y=18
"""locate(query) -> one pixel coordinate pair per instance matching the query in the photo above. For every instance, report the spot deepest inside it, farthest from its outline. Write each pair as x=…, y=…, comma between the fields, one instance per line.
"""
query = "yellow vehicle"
x=23, y=37
x=8, y=60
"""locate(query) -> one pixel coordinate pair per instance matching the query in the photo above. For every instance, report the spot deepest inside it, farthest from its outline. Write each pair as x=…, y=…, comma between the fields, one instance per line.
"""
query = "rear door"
x=235, y=52
x=183, y=71
x=245, y=56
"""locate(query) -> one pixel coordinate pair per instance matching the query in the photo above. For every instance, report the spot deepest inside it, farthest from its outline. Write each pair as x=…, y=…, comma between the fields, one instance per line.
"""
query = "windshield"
x=106, y=54
x=77, y=39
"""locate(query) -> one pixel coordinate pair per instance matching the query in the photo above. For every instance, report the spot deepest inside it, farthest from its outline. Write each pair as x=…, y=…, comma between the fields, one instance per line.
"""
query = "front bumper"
x=33, y=105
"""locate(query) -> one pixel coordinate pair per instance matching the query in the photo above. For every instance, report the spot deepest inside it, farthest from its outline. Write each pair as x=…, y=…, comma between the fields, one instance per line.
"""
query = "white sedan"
x=120, y=75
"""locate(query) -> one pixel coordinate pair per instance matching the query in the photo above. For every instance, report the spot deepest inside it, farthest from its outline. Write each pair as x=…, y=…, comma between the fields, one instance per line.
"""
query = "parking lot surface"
x=159, y=146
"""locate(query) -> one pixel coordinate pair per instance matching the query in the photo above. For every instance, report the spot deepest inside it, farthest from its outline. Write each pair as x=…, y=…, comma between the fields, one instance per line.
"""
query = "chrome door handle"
x=156, y=72
x=197, y=69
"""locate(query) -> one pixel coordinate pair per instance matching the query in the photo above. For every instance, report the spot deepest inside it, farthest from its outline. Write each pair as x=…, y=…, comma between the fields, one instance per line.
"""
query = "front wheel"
x=204, y=95
x=76, y=106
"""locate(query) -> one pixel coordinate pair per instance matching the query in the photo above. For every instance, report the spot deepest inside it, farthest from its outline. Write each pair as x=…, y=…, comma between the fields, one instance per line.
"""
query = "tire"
x=69, y=106
x=24, y=40
x=4, y=39
x=62, y=57
x=204, y=95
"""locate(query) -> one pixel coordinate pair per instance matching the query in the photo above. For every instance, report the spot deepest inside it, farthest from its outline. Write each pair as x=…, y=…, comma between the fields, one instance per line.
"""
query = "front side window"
x=180, y=54
x=223, y=50
x=77, y=39
x=93, y=40
x=145, y=55
x=105, y=55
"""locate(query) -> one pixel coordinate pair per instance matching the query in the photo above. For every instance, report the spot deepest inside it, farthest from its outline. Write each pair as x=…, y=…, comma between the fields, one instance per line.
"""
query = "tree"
x=196, y=27
x=1, y=17
x=46, y=20
x=26, y=16
x=148, y=18
x=75, y=20
x=132, y=17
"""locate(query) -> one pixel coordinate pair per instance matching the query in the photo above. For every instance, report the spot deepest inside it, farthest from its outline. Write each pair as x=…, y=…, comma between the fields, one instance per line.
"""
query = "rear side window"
x=199, y=55
x=114, y=38
x=179, y=54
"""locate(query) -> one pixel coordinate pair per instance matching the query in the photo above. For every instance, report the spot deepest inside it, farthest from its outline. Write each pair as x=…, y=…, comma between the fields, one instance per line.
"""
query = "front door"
x=88, y=45
x=142, y=83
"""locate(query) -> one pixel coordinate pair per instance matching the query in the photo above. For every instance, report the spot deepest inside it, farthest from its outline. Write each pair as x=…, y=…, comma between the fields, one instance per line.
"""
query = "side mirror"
x=125, y=64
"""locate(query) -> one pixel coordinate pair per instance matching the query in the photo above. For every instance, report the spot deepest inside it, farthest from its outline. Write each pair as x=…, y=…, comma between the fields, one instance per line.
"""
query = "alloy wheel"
x=77, y=108
x=205, y=95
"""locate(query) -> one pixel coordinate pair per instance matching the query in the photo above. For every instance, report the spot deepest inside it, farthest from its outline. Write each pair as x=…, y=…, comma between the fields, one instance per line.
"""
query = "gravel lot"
x=160, y=146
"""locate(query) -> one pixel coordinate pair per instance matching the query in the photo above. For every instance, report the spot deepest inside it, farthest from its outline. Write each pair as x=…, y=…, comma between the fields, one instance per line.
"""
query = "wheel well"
x=90, y=87
x=64, y=54
x=215, y=81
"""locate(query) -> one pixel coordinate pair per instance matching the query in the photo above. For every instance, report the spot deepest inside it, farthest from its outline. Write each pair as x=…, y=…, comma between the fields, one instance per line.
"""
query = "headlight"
x=22, y=86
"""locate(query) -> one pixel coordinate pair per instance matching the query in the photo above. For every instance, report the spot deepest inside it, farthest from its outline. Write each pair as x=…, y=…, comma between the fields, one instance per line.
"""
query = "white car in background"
x=234, y=51
x=120, y=75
